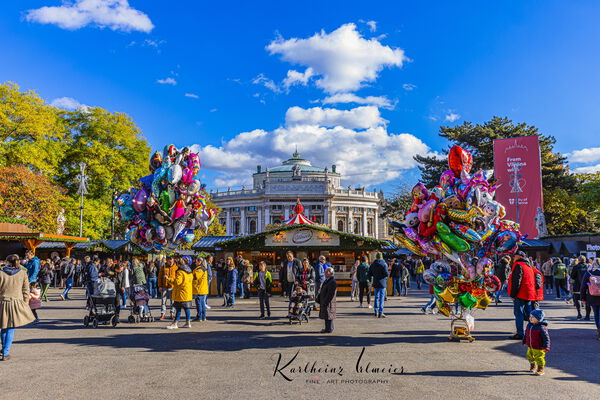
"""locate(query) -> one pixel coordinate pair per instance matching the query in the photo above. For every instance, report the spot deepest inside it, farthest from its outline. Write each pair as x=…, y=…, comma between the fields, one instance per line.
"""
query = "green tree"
x=560, y=186
x=30, y=196
x=479, y=140
x=32, y=133
x=588, y=197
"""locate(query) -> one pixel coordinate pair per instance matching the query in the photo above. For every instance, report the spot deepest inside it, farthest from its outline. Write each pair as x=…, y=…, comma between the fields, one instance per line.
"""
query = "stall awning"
x=535, y=243
x=209, y=242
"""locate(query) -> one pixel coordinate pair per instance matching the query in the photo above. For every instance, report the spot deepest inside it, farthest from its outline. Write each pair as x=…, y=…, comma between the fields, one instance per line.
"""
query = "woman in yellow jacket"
x=182, y=292
x=200, y=287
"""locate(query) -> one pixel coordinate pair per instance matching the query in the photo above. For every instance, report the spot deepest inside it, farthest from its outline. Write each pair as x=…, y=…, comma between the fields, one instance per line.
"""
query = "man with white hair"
x=327, y=300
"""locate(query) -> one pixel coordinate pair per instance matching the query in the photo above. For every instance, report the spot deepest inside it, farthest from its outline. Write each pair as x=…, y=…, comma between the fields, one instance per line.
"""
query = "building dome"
x=296, y=162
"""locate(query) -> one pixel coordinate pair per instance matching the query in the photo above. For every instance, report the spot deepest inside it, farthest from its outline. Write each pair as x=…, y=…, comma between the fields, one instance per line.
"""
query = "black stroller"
x=102, y=305
x=307, y=304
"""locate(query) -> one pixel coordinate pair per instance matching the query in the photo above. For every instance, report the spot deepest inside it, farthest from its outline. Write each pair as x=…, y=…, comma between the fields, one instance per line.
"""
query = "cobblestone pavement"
x=235, y=355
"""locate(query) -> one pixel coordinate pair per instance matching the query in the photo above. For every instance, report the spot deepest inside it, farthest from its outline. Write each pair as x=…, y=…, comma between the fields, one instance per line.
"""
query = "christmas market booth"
x=16, y=237
x=306, y=241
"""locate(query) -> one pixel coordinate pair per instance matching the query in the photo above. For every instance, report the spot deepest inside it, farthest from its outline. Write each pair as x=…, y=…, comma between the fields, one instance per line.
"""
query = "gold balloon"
x=409, y=244
x=447, y=296
x=443, y=308
x=465, y=216
x=483, y=301
x=453, y=289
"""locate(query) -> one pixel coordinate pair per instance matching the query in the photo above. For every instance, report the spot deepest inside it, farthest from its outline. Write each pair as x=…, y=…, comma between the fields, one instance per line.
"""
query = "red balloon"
x=459, y=159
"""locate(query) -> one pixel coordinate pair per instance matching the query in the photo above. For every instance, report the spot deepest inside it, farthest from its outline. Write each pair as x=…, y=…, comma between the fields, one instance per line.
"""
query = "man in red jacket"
x=523, y=288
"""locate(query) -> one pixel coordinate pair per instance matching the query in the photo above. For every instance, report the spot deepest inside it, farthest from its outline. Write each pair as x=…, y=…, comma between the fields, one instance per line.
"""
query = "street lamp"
x=81, y=191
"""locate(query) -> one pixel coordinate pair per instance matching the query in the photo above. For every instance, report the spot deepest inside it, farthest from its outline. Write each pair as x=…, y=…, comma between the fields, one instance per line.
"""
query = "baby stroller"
x=137, y=303
x=102, y=304
x=307, y=304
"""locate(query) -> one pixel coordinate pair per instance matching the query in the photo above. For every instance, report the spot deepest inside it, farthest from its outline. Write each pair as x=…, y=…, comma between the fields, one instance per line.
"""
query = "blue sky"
x=412, y=66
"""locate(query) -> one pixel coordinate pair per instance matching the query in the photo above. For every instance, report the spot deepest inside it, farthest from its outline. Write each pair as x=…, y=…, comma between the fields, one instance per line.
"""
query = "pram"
x=308, y=303
x=102, y=304
x=136, y=314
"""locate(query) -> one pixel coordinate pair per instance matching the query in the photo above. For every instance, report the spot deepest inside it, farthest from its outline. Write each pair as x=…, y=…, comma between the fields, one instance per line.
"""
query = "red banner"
x=518, y=169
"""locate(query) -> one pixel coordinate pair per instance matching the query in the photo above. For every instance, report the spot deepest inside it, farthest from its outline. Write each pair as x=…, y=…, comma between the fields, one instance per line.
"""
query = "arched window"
x=370, y=227
x=236, y=227
x=356, y=227
x=252, y=226
x=340, y=226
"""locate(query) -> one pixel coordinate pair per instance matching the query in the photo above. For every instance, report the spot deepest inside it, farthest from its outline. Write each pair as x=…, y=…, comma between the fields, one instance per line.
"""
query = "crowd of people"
x=182, y=284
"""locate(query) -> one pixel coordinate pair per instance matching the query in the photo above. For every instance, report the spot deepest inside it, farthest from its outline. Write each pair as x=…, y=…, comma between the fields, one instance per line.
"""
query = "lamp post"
x=81, y=191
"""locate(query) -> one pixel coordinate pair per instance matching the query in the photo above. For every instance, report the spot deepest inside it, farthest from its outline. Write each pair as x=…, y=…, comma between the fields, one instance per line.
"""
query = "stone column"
x=259, y=220
x=333, y=222
x=286, y=212
x=228, y=223
x=325, y=214
x=350, y=221
x=242, y=220
x=364, y=222
x=267, y=215
x=376, y=220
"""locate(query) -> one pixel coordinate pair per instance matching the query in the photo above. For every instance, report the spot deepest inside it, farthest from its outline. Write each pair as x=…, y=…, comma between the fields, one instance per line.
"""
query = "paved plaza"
x=235, y=355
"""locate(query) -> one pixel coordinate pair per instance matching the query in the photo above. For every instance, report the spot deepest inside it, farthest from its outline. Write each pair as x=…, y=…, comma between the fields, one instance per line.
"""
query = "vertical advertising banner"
x=518, y=169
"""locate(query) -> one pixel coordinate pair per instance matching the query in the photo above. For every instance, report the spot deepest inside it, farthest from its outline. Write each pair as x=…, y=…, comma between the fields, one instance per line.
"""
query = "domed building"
x=275, y=192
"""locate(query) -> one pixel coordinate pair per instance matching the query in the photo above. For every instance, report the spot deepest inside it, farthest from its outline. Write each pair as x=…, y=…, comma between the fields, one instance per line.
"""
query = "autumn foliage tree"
x=30, y=196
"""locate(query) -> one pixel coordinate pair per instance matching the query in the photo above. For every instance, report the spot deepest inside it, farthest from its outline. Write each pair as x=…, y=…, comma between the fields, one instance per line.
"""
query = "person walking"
x=404, y=279
x=32, y=266
x=68, y=272
x=378, y=271
x=139, y=275
x=46, y=277
x=182, y=293
x=239, y=262
x=548, y=279
x=306, y=276
x=590, y=293
x=320, y=268
x=419, y=270
x=559, y=273
x=92, y=273
x=200, y=287
x=152, y=273
x=291, y=267
x=523, y=285
x=221, y=277
x=264, y=285
x=228, y=265
x=166, y=275
x=578, y=271
x=327, y=300
x=502, y=270
x=35, y=300
x=354, y=278
x=247, y=278
x=232, y=279
x=364, y=282
x=14, y=299
x=537, y=340
x=396, y=275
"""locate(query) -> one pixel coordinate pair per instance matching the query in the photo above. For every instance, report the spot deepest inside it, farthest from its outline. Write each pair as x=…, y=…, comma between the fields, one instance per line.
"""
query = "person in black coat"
x=291, y=267
x=502, y=271
x=327, y=300
x=578, y=271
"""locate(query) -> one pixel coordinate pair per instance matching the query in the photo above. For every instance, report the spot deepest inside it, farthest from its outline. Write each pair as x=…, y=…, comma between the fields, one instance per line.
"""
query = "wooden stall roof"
x=45, y=237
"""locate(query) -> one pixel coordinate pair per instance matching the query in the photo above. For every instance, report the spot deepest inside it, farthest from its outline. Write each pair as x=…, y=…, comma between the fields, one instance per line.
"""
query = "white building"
x=275, y=191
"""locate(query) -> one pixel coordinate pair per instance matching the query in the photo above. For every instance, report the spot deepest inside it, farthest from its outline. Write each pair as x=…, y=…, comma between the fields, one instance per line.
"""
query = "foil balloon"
x=492, y=283
x=429, y=276
x=409, y=244
x=467, y=300
x=465, y=232
x=447, y=296
x=140, y=199
x=175, y=174
x=459, y=160
x=483, y=301
x=451, y=239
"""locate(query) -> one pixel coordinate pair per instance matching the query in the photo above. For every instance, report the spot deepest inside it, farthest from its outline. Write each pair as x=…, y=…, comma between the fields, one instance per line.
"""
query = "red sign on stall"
x=518, y=169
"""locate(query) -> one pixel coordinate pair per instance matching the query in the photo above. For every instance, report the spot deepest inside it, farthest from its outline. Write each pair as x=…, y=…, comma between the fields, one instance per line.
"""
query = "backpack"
x=560, y=271
x=594, y=285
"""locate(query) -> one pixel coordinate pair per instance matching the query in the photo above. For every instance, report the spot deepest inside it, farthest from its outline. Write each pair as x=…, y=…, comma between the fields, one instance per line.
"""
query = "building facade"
x=275, y=191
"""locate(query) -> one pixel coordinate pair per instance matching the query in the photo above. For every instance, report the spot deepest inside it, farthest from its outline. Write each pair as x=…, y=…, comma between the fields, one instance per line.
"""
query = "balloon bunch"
x=459, y=223
x=169, y=205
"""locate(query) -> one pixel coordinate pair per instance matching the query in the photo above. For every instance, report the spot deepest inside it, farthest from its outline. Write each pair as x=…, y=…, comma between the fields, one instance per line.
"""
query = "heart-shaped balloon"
x=459, y=160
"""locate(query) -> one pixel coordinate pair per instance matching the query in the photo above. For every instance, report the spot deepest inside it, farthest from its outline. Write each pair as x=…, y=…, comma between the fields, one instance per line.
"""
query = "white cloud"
x=117, y=15
x=68, y=103
x=451, y=117
x=167, y=81
x=367, y=157
x=587, y=170
x=372, y=25
x=192, y=95
x=297, y=78
x=380, y=101
x=213, y=110
x=409, y=86
x=356, y=118
x=261, y=79
x=587, y=155
x=343, y=59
